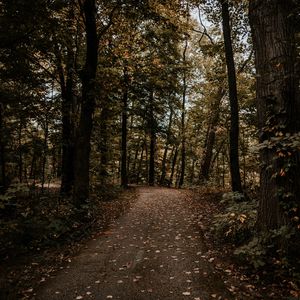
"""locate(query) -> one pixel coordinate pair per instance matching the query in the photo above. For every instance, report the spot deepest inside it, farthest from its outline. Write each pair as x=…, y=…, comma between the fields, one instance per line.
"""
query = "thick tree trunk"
x=236, y=184
x=124, y=177
x=66, y=80
x=68, y=127
x=278, y=107
x=83, y=137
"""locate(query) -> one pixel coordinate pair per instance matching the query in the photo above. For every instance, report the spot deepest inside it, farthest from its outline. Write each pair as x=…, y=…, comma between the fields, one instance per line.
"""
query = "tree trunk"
x=135, y=160
x=3, y=181
x=45, y=153
x=236, y=184
x=164, y=160
x=103, y=144
x=124, y=177
x=211, y=136
x=152, y=142
x=68, y=126
x=140, y=163
x=20, y=151
x=67, y=109
x=183, y=152
x=83, y=137
x=277, y=89
x=192, y=172
x=173, y=167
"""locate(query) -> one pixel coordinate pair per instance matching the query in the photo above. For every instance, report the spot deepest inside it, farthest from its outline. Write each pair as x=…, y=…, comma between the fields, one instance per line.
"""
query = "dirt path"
x=153, y=252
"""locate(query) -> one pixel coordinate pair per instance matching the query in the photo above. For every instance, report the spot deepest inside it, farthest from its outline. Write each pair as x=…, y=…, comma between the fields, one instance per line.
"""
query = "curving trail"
x=155, y=251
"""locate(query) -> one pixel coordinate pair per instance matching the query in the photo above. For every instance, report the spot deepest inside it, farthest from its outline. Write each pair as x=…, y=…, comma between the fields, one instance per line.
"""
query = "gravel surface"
x=155, y=251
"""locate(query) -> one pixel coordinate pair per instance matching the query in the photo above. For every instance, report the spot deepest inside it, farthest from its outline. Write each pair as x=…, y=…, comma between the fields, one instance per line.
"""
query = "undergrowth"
x=274, y=252
x=31, y=220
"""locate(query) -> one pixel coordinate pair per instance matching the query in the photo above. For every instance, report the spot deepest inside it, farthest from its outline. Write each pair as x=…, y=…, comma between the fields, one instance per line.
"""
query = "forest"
x=101, y=99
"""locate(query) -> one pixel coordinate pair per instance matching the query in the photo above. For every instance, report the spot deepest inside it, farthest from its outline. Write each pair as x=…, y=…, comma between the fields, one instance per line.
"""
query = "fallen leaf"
x=186, y=293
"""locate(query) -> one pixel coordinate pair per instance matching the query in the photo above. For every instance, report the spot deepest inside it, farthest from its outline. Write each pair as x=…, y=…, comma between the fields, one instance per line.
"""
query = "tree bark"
x=139, y=170
x=236, y=184
x=45, y=152
x=103, y=144
x=20, y=150
x=211, y=136
x=183, y=152
x=83, y=137
x=3, y=181
x=68, y=124
x=164, y=160
x=124, y=177
x=173, y=166
x=278, y=105
x=152, y=142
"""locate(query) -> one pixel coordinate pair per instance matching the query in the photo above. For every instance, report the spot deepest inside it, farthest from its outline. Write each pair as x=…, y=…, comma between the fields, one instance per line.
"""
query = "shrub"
x=273, y=248
x=238, y=220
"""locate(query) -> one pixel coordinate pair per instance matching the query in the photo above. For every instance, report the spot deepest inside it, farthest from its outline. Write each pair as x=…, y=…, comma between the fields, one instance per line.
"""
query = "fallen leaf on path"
x=186, y=293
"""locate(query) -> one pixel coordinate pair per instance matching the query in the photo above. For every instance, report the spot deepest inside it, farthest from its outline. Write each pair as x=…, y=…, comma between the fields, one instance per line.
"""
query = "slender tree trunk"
x=278, y=104
x=164, y=160
x=3, y=181
x=173, y=166
x=152, y=143
x=32, y=164
x=103, y=144
x=124, y=177
x=152, y=158
x=236, y=184
x=183, y=152
x=83, y=137
x=163, y=166
x=140, y=164
x=135, y=160
x=20, y=151
x=223, y=169
x=45, y=153
x=217, y=152
x=211, y=136
x=54, y=162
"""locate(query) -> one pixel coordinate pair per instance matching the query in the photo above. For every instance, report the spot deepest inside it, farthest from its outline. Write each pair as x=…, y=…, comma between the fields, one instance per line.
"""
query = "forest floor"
x=160, y=248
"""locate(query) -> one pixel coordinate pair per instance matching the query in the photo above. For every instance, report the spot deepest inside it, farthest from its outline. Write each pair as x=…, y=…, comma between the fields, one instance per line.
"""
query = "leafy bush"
x=271, y=248
x=238, y=220
x=13, y=192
